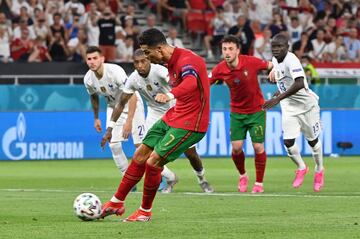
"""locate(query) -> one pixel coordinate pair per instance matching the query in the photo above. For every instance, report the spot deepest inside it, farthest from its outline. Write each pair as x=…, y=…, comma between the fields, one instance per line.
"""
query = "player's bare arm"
x=298, y=84
x=94, y=98
x=119, y=107
x=127, y=128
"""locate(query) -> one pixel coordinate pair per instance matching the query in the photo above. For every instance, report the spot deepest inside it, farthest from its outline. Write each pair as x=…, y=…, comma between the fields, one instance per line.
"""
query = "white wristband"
x=112, y=124
x=171, y=96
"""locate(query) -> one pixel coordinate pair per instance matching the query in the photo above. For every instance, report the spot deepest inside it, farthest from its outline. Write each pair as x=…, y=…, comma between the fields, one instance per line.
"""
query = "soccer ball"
x=87, y=207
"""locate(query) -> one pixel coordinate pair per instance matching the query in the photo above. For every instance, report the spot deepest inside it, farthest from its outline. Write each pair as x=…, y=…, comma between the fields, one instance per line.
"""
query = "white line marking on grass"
x=317, y=195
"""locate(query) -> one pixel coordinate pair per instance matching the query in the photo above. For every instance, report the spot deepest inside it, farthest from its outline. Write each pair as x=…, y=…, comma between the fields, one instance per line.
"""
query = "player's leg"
x=132, y=176
x=237, y=136
x=311, y=128
x=169, y=147
x=115, y=145
x=256, y=124
x=170, y=178
x=199, y=170
x=291, y=129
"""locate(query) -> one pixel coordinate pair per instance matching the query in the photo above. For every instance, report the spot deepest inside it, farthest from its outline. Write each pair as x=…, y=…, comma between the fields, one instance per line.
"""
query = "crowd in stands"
x=60, y=30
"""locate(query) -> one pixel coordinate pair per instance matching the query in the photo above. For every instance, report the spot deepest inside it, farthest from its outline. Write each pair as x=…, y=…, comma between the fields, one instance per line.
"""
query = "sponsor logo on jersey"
x=103, y=89
x=297, y=70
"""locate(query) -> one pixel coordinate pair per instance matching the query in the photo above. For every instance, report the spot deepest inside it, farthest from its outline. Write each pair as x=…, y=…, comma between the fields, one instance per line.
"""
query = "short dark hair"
x=92, y=49
x=281, y=38
x=231, y=39
x=152, y=37
x=138, y=52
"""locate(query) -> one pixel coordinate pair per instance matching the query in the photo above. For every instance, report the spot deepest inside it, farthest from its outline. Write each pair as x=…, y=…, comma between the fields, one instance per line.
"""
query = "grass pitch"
x=36, y=202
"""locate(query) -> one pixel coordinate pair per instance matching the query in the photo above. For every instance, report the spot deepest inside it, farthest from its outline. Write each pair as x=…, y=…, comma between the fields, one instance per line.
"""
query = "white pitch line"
x=319, y=195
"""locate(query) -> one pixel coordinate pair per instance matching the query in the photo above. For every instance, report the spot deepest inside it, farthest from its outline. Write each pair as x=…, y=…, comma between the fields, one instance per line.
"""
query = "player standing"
x=181, y=127
x=108, y=80
x=239, y=72
x=149, y=79
x=300, y=110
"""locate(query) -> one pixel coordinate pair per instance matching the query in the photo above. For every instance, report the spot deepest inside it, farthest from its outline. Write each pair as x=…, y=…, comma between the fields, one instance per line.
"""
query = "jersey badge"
x=103, y=89
x=246, y=73
x=156, y=83
x=149, y=88
x=110, y=85
x=237, y=81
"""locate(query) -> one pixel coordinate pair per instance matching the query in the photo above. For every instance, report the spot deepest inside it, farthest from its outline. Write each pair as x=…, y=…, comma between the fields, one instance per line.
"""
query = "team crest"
x=103, y=89
x=174, y=75
x=246, y=73
x=149, y=88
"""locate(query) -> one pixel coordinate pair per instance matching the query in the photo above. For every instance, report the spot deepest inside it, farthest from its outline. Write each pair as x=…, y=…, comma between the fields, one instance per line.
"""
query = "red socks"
x=260, y=163
x=151, y=185
x=239, y=161
x=132, y=176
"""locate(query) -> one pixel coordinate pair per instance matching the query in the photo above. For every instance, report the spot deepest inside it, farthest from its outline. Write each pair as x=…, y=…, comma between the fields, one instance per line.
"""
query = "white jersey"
x=285, y=74
x=156, y=82
x=110, y=85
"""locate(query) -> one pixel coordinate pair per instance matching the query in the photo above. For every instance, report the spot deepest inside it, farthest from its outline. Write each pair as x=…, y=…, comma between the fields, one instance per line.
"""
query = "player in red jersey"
x=181, y=127
x=239, y=72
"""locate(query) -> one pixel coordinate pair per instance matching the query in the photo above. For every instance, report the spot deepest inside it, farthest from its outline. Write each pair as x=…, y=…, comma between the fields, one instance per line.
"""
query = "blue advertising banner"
x=70, y=135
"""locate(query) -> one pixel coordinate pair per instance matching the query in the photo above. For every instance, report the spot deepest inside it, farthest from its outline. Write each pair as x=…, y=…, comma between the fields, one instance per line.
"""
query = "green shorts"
x=170, y=142
x=254, y=123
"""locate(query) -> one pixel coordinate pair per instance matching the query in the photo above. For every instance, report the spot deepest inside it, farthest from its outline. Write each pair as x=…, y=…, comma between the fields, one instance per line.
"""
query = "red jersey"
x=245, y=93
x=191, y=89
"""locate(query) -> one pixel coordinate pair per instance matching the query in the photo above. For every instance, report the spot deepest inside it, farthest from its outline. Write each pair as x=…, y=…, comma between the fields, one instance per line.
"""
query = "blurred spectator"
x=352, y=45
x=74, y=7
x=261, y=10
x=39, y=52
x=262, y=46
x=172, y=38
x=21, y=46
x=245, y=34
x=176, y=11
x=91, y=26
x=4, y=45
x=303, y=46
x=41, y=29
x=77, y=46
x=58, y=26
x=116, y=6
x=318, y=46
x=125, y=50
x=311, y=74
x=277, y=25
x=5, y=6
x=150, y=23
x=106, y=25
x=34, y=4
x=72, y=26
x=23, y=25
x=58, y=49
x=294, y=29
x=335, y=51
x=130, y=12
x=220, y=27
x=6, y=24
x=131, y=30
x=17, y=5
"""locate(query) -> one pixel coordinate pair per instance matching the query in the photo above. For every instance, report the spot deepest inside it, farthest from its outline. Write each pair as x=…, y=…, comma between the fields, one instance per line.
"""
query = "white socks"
x=115, y=200
x=317, y=155
x=119, y=157
x=200, y=175
x=294, y=154
x=168, y=174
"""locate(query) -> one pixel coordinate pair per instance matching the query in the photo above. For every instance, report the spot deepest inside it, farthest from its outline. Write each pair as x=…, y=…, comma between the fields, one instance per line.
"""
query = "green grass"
x=36, y=202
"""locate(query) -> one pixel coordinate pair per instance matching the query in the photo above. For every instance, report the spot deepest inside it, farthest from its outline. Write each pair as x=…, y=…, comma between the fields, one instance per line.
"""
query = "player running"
x=239, y=72
x=181, y=127
x=300, y=110
x=109, y=80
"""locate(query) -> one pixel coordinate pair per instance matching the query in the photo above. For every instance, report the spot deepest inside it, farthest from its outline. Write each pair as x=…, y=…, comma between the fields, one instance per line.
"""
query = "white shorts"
x=307, y=123
x=151, y=118
x=138, y=126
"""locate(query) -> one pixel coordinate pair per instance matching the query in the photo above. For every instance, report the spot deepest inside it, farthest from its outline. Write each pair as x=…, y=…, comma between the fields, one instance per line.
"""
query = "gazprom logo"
x=15, y=135
x=15, y=147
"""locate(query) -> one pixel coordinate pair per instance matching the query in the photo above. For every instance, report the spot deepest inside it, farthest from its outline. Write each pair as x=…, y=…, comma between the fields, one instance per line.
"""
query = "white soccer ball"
x=87, y=207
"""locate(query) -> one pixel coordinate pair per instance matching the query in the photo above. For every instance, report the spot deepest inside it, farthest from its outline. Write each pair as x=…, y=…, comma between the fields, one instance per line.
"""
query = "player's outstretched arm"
x=298, y=84
x=124, y=98
x=94, y=99
x=127, y=128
